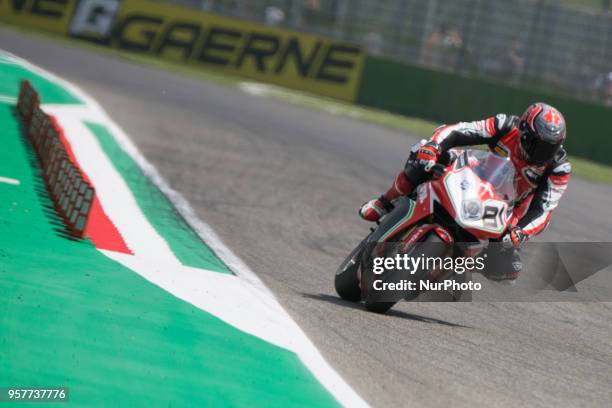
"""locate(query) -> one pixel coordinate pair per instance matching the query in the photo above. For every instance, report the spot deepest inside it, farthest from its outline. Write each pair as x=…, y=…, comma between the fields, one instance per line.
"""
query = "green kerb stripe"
x=11, y=74
x=160, y=212
x=70, y=316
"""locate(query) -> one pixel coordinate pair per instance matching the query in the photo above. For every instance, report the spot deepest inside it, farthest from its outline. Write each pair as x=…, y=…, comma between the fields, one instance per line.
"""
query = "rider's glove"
x=427, y=156
x=514, y=238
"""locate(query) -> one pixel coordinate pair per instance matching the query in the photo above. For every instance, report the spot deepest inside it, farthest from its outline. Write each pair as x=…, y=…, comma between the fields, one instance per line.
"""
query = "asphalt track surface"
x=281, y=185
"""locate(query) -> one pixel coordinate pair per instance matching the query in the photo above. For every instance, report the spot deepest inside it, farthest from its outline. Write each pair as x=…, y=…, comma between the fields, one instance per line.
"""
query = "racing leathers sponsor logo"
x=501, y=150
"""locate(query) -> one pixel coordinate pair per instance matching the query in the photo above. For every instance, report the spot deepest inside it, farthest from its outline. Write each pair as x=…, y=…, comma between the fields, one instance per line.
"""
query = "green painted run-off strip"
x=160, y=212
x=70, y=316
x=12, y=73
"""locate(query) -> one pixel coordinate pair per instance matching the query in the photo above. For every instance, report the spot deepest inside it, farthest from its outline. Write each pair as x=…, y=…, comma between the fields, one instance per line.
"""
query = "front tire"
x=423, y=247
x=347, y=285
x=379, y=307
x=346, y=281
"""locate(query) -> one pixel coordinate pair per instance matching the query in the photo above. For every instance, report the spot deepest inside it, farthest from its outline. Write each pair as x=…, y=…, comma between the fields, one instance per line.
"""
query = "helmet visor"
x=538, y=151
x=543, y=153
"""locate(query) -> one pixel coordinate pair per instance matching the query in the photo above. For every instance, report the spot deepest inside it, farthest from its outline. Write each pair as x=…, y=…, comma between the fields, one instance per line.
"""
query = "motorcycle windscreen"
x=482, y=192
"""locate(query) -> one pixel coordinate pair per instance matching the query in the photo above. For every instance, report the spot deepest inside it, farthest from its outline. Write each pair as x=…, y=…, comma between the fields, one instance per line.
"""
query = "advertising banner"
x=269, y=54
x=47, y=15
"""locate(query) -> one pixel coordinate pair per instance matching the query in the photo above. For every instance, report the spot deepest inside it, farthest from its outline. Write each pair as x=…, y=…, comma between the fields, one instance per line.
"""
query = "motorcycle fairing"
x=471, y=200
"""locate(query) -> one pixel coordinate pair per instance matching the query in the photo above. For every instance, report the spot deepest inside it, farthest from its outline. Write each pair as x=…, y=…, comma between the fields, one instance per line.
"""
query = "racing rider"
x=534, y=143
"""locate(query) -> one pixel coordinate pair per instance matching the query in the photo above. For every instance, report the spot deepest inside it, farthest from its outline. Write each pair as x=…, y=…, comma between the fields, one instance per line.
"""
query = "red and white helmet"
x=543, y=132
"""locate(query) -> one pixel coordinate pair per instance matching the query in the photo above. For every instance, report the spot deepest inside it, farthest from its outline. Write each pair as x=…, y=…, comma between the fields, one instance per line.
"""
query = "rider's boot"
x=502, y=265
x=374, y=209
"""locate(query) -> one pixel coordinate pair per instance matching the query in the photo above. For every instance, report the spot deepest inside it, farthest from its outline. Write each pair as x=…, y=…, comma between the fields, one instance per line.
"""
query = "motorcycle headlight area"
x=472, y=210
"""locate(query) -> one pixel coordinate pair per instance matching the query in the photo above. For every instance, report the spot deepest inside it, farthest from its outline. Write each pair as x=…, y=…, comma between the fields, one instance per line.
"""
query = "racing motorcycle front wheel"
x=423, y=248
x=346, y=280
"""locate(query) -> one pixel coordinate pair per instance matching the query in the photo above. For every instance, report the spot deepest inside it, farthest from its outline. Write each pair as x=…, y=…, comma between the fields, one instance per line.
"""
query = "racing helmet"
x=543, y=132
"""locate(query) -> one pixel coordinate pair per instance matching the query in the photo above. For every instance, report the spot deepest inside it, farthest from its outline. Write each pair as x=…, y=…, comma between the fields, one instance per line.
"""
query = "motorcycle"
x=466, y=204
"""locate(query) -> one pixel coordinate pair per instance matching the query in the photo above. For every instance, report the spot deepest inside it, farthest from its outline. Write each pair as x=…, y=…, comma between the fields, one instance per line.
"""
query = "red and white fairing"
x=478, y=190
